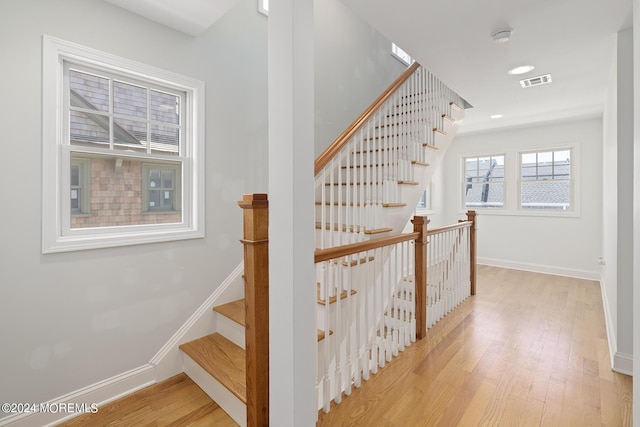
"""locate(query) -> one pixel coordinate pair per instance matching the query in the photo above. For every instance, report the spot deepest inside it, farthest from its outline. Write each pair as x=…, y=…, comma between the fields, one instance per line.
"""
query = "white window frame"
x=428, y=193
x=57, y=234
x=401, y=55
x=263, y=7
x=464, y=183
x=574, y=205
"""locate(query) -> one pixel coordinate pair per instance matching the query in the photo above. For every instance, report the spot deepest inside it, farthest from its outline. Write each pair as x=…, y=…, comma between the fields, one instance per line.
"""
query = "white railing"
x=449, y=268
x=376, y=297
x=362, y=171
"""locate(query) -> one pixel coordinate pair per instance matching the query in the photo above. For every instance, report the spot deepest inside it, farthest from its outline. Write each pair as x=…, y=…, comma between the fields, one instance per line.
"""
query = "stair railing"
x=361, y=171
x=371, y=298
x=377, y=297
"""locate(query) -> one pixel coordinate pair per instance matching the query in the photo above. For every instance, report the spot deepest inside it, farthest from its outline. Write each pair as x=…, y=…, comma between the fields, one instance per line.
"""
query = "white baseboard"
x=538, y=268
x=623, y=363
x=99, y=393
x=166, y=363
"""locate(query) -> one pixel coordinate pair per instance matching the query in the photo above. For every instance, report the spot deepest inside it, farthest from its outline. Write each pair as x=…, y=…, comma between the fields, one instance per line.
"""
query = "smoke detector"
x=501, y=36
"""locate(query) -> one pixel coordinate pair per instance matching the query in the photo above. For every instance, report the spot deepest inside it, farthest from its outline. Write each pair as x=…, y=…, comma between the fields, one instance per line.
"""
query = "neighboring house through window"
x=545, y=180
x=483, y=185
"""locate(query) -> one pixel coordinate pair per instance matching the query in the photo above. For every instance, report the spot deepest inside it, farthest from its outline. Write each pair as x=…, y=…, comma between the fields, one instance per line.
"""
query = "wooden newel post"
x=255, y=208
x=420, y=226
x=471, y=216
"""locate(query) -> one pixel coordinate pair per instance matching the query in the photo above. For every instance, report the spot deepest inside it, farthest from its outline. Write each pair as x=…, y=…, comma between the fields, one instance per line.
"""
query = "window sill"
x=505, y=212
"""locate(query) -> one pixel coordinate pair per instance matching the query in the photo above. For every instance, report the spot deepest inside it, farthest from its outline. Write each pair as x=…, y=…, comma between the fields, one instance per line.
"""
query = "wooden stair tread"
x=234, y=310
x=222, y=359
x=415, y=162
x=334, y=298
x=352, y=228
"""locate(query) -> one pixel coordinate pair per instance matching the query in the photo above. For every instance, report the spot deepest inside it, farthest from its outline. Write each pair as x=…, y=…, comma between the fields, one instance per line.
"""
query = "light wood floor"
x=528, y=350
x=177, y=401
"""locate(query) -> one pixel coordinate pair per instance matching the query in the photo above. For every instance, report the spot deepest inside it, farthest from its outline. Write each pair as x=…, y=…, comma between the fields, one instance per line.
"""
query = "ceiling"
x=573, y=40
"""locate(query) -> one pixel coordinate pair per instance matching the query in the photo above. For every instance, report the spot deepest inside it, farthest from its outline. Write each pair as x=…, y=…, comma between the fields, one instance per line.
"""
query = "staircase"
x=368, y=183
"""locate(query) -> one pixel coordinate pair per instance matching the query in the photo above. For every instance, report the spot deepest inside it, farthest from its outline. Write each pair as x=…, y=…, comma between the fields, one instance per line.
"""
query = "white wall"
x=560, y=245
x=69, y=320
x=353, y=66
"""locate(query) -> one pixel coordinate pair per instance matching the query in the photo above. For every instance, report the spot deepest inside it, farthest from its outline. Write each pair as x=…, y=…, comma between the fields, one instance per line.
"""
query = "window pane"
x=165, y=107
x=129, y=100
x=88, y=128
x=484, y=195
x=130, y=135
x=88, y=91
x=167, y=179
x=546, y=194
x=165, y=139
x=546, y=180
x=75, y=175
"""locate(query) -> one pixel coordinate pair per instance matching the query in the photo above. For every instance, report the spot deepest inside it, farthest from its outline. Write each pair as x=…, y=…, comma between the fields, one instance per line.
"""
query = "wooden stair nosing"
x=384, y=205
x=353, y=228
x=234, y=310
x=334, y=298
x=222, y=359
x=400, y=181
x=415, y=162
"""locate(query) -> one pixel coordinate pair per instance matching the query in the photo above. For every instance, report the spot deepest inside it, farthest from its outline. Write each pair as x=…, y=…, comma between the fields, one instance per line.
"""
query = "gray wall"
x=69, y=320
x=353, y=66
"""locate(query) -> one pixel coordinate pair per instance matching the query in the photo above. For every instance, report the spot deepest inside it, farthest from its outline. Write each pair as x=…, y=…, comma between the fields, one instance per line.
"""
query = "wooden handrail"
x=337, y=145
x=461, y=224
x=354, y=248
x=255, y=209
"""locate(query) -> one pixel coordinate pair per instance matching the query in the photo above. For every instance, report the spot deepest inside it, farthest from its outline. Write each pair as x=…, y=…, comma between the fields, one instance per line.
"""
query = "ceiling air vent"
x=536, y=81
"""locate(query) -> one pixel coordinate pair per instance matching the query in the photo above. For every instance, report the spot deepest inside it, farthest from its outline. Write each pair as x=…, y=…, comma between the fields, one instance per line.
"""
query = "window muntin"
x=546, y=180
x=483, y=185
x=117, y=115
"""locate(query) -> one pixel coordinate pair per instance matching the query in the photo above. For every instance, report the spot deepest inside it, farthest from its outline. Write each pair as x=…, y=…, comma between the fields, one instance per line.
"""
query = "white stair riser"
x=216, y=391
x=231, y=330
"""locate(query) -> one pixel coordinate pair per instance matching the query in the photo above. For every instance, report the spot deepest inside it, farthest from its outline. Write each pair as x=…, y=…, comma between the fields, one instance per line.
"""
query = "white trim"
x=623, y=363
x=101, y=393
x=261, y=7
x=545, y=269
x=608, y=320
x=54, y=158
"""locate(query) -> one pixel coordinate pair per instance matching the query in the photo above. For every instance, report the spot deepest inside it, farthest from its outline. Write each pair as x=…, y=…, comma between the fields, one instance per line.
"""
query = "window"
x=484, y=182
x=263, y=7
x=425, y=204
x=545, y=180
x=401, y=54
x=161, y=188
x=79, y=181
x=124, y=143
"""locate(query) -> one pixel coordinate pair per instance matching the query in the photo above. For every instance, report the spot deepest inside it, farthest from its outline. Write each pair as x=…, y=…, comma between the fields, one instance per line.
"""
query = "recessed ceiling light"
x=497, y=116
x=522, y=69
